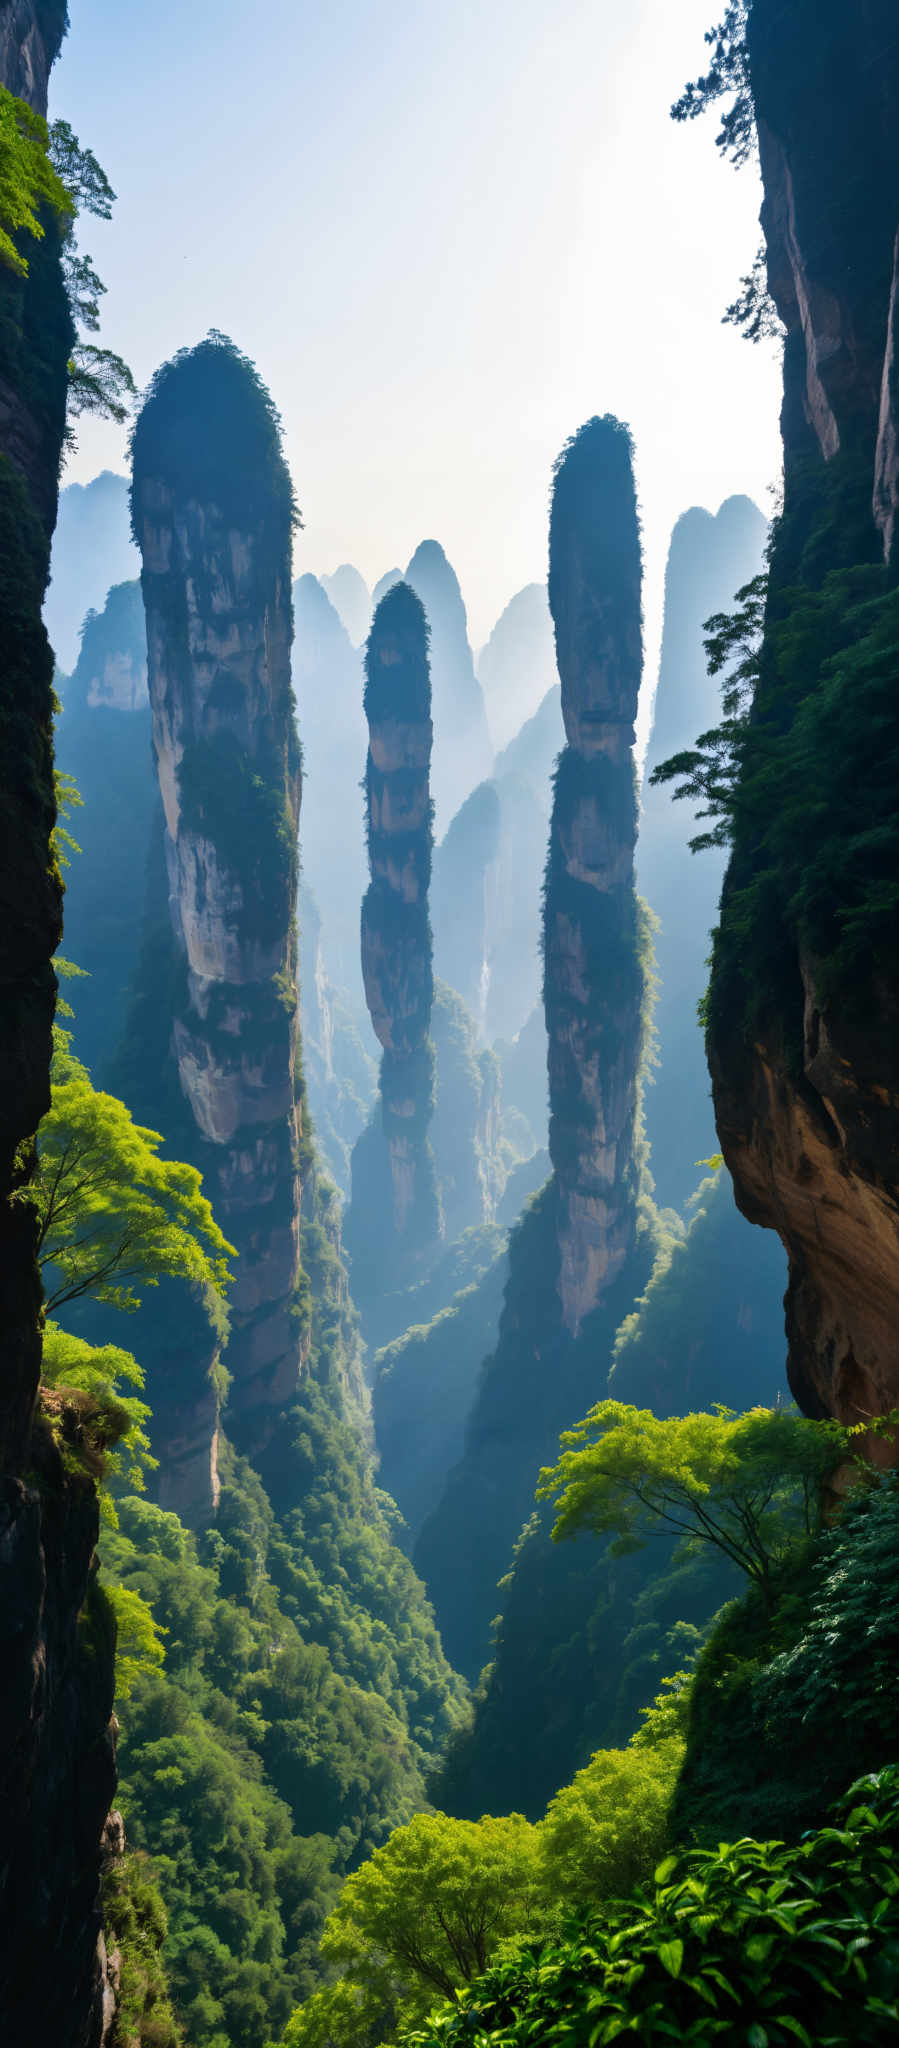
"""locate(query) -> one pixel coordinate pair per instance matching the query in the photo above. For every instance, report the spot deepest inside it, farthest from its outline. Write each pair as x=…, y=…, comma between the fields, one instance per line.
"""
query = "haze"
x=446, y=236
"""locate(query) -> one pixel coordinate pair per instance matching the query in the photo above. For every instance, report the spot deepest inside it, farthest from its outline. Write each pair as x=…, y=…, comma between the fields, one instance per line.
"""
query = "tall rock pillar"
x=396, y=937
x=212, y=513
x=594, y=973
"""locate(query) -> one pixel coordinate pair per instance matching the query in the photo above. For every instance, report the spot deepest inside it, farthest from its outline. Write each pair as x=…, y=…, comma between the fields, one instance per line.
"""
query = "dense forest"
x=449, y=1204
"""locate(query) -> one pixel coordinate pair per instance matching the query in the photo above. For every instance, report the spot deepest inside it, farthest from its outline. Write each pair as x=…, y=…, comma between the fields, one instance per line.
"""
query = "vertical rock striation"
x=396, y=934
x=577, y=1258
x=804, y=996
x=594, y=976
x=213, y=511
x=57, y=1759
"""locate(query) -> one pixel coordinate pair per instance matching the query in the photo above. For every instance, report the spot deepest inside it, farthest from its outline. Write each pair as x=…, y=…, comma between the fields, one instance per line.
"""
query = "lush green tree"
x=99, y=1372
x=749, y=1485
x=432, y=1905
x=753, y=1943
x=28, y=180
x=111, y=1213
x=711, y=770
x=100, y=382
x=726, y=78
x=605, y=1831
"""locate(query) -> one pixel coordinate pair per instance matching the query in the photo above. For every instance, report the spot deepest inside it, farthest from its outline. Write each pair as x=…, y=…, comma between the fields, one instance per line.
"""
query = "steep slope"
x=462, y=753
x=579, y=1255
x=348, y=593
x=709, y=559
x=517, y=665
x=57, y=1774
x=585, y=1638
x=804, y=995
x=103, y=741
x=327, y=677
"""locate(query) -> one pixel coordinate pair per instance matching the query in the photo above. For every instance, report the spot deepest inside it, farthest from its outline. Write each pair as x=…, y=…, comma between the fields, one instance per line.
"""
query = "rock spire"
x=213, y=511
x=594, y=975
x=396, y=932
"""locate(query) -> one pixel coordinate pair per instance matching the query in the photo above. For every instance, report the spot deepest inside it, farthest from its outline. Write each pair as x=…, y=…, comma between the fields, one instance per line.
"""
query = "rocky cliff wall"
x=594, y=972
x=212, y=511
x=57, y=1766
x=396, y=942
x=804, y=994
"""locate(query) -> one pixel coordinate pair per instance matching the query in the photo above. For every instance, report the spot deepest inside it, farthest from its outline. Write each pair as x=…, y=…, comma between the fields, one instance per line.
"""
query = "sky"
x=447, y=234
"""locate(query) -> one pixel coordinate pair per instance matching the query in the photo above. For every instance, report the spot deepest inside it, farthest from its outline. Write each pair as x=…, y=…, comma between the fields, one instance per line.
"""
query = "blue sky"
x=447, y=234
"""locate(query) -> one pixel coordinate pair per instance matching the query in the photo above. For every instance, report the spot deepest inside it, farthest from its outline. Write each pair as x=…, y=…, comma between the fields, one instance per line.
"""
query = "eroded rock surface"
x=593, y=971
x=215, y=543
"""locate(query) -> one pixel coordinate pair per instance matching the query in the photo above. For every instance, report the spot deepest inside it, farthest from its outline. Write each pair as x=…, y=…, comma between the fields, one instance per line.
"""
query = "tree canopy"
x=28, y=179
x=747, y=1484
x=112, y=1214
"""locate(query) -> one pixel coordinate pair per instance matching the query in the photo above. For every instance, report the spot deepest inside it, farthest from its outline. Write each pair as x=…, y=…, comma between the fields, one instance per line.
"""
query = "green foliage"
x=100, y=382
x=100, y=1372
x=727, y=77
x=843, y=1666
x=603, y=1832
x=302, y=1694
x=785, y=1702
x=748, y=1485
x=753, y=311
x=209, y=428
x=248, y=818
x=712, y=768
x=430, y=1907
x=28, y=180
x=397, y=668
x=752, y=1942
x=135, y=1925
x=110, y=1212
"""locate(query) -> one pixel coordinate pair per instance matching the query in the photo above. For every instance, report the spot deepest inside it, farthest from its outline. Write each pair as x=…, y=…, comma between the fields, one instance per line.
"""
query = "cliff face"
x=212, y=514
x=396, y=933
x=804, y=994
x=593, y=972
x=709, y=559
x=462, y=754
x=57, y=1767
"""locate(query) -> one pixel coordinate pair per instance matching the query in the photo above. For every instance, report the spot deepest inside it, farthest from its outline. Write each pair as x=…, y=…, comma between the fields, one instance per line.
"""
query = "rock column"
x=212, y=515
x=396, y=933
x=594, y=974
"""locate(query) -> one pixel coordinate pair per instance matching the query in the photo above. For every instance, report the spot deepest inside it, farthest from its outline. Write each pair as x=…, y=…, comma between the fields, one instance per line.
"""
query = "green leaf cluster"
x=111, y=1213
x=748, y=1485
x=28, y=180
x=754, y=1943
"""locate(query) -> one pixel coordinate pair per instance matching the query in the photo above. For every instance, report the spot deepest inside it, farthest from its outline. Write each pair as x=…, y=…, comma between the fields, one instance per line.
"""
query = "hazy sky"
x=447, y=234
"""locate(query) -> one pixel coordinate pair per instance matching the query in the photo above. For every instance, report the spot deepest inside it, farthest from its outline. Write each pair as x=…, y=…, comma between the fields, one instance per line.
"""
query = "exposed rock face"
x=57, y=1765
x=212, y=513
x=805, y=1082
x=462, y=754
x=886, y=461
x=58, y=1749
x=30, y=35
x=396, y=933
x=711, y=556
x=593, y=971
